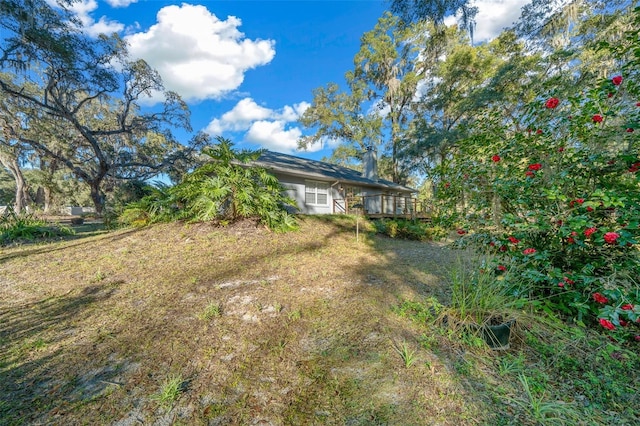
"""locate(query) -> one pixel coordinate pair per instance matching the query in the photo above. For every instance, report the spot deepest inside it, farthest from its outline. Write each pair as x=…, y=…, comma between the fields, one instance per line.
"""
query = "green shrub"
x=25, y=227
x=559, y=204
x=224, y=190
x=159, y=206
x=408, y=229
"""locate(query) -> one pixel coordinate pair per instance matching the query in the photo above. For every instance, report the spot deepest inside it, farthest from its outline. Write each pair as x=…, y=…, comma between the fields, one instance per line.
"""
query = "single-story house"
x=323, y=188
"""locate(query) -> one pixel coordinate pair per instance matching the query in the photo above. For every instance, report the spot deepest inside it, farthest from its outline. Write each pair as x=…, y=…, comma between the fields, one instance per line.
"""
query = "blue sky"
x=248, y=68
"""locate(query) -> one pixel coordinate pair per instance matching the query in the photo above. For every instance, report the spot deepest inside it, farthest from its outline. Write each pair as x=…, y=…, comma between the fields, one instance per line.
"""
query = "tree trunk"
x=49, y=169
x=22, y=197
x=21, y=191
x=47, y=199
x=97, y=196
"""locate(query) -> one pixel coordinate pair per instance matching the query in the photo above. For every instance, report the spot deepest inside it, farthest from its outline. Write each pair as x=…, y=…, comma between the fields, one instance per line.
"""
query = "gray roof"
x=288, y=164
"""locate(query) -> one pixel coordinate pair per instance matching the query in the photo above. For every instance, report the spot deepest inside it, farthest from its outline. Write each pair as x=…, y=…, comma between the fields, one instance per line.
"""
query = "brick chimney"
x=370, y=164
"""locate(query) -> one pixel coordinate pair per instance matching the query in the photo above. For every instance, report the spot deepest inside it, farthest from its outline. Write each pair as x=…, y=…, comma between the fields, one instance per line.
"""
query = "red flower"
x=502, y=268
x=623, y=323
x=627, y=307
x=636, y=338
x=514, y=240
x=552, y=103
x=530, y=174
x=538, y=132
x=571, y=240
x=611, y=237
x=561, y=285
x=597, y=118
x=609, y=95
x=607, y=324
x=589, y=208
x=492, y=244
x=535, y=167
x=569, y=281
x=638, y=104
x=495, y=158
x=461, y=232
x=589, y=231
x=528, y=251
x=503, y=248
x=617, y=80
x=600, y=298
x=561, y=149
x=447, y=184
x=630, y=130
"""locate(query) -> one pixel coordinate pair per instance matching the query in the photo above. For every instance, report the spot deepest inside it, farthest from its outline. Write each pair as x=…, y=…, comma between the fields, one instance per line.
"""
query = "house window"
x=316, y=193
x=352, y=191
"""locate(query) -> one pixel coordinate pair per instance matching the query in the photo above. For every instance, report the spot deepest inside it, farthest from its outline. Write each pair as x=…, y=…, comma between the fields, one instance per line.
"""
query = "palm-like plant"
x=158, y=206
x=228, y=188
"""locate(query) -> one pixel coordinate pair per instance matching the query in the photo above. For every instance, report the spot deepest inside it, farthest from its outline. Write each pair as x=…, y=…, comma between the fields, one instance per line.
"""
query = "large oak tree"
x=81, y=98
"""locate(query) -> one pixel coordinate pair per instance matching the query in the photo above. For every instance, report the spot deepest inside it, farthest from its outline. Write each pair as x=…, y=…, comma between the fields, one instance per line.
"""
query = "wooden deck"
x=423, y=217
x=384, y=206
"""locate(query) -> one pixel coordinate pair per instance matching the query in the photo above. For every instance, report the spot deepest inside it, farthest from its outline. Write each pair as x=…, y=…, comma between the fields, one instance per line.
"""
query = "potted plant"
x=480, y=304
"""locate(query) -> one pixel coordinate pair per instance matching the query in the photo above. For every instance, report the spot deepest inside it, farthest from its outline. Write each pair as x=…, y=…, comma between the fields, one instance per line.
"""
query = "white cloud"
x=120, y=3
x=198, y=55
x=493, y=16
x=83, y=9
x=274, y=136
x=266, y=127
x=240, y=117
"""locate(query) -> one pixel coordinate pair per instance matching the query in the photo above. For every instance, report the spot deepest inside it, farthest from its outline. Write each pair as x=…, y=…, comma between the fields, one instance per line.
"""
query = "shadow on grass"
x=65, y=243
x=333, y=359
x=35, y=373
x=548, y=374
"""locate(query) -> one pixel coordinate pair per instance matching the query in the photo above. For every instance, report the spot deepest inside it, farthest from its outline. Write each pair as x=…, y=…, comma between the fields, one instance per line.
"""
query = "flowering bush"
x=561, y=207
x=552, y=103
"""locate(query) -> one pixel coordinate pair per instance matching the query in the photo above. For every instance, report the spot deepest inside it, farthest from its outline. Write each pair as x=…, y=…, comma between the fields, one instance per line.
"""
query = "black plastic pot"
x=497, y=336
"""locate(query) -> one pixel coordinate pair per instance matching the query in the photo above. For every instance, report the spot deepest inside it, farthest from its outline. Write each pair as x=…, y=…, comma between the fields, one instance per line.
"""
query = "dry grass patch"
x=290, y=328
x=191, y=324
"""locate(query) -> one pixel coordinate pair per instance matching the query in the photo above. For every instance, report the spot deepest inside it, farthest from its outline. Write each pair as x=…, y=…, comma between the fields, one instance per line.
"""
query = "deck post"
x=395, y=206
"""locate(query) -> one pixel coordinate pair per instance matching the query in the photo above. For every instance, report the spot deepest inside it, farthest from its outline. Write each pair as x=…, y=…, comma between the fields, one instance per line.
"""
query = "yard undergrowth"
x=192, y=324
x=16, y=228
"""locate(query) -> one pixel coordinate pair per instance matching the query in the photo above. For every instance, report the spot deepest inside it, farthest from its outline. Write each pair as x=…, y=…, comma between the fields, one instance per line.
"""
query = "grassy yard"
x=190, y=324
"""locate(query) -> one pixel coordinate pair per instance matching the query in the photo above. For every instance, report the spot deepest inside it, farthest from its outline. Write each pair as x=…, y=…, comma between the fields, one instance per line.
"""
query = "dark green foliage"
x=159, y=206
x=224, y=190
x=15, y=227
x=436, y=11
x=408, y=229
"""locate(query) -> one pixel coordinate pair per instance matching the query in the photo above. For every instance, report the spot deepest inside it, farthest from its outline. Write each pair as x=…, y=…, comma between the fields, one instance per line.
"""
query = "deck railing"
x=383, y=205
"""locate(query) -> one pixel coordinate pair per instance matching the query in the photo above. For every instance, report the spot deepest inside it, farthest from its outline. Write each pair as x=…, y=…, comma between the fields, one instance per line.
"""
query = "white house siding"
x=372, y=204
x=295, y=188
